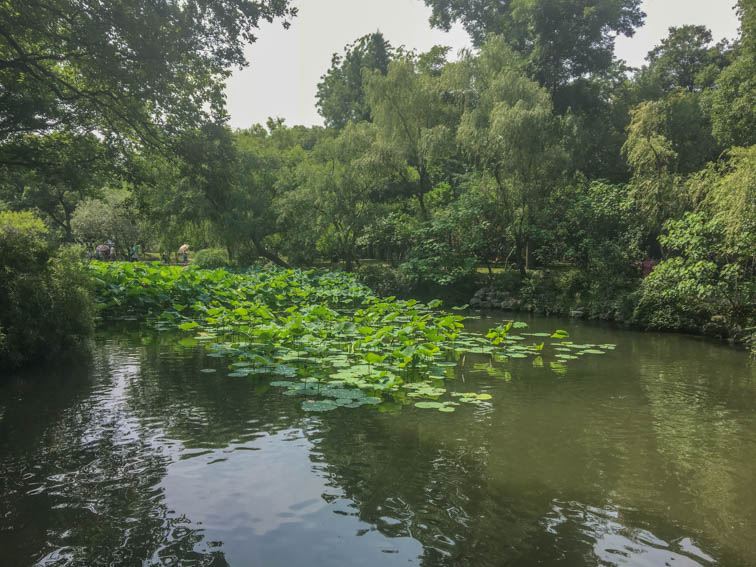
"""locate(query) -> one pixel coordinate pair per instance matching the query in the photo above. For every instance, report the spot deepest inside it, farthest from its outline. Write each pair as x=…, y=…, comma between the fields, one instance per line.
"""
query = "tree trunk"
x=265, y=253
x=521, y=262
x=421, y=202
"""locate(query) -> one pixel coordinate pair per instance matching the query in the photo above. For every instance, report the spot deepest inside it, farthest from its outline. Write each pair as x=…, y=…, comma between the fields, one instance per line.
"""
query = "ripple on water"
x=614, y=543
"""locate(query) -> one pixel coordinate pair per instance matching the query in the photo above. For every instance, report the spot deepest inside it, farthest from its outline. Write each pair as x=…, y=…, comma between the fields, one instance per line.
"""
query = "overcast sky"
x=286, y=65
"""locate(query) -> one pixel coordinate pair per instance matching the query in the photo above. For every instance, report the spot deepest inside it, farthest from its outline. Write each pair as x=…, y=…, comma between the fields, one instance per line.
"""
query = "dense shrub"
x=708, y=277
x=211, y=258
x=385, y=281
x=45, y=306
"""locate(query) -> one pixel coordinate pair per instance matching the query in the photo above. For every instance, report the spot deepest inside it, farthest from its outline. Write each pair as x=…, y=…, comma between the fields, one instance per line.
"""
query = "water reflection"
x=644, y=457
x=614, y=543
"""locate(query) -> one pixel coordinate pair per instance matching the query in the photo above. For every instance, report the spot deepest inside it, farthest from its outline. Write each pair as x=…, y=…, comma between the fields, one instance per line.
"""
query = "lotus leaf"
x=429, y=405
x=319, y=405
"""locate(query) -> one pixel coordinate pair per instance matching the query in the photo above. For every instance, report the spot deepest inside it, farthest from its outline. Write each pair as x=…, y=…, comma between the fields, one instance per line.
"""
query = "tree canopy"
x=561, y=40
x=129, y=67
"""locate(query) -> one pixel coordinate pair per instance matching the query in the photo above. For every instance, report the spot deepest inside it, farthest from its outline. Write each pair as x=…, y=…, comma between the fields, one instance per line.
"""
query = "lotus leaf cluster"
x=336, y=343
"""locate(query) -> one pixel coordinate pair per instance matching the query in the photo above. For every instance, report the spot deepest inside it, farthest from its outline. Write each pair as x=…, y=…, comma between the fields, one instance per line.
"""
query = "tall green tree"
x=685, y=59
x=52, y=174
x=133, y=69
x=733, y=101
x=511, y=134
x=560, y=39
x=415, y=122
x=667, y=140
x=341, y=96
x=333, y=197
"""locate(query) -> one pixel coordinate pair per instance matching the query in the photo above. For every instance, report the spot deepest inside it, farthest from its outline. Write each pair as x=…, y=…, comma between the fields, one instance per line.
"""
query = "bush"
x=45, y=305
x=708, y=277
x=384, y=280
x=211, y=258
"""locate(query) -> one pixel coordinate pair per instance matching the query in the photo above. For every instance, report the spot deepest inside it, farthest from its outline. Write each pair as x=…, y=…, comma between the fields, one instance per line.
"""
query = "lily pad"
x=319, y=405
x=428, y=405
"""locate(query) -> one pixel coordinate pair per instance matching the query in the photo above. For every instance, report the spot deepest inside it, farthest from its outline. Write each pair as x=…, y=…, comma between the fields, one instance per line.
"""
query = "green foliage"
x=512, y=136
x=335, y=184
x=126, y=69
x=112, y=218
x=211, y=258
x=52, y=174
x=559, y=40
x=346, y=347
x=706, y=277
x=685, y=59
x=434, y=257
x=341, y=96
x=45, y=306
x=385, y=280
x=733, y=102
x=728, y=189
x=389, y=237
x=667, y=140
x=414, y=120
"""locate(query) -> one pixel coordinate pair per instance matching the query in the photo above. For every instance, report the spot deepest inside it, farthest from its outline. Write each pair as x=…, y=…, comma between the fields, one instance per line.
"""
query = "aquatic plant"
x=344, y=346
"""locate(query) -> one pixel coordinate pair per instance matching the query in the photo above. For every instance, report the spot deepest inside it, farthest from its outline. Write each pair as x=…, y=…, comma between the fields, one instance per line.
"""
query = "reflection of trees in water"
x=418, y=479
x=500, y=485
x=703, y=422
x=205, y=410
x=82, y=475
x=481, y=487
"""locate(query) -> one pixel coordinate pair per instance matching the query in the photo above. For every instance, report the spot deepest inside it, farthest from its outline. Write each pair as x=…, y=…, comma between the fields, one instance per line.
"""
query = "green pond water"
x=645, y=455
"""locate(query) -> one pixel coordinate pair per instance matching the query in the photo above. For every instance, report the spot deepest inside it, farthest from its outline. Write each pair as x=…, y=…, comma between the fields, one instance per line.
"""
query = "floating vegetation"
x=336, y=344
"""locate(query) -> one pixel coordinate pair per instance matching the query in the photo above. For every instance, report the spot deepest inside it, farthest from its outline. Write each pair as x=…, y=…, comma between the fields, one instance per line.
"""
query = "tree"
x=341, y=96
x=509, y=131
x=560, y=39
x=45, y=307
x=332, y=198
x=685, y=59
x=727, y=189
x=112, y=218
x=132, y=69
x=733, y=103
x=52, y=174
x=707, y=274
x=415, y=122
x=667, y=140
x=253, y=220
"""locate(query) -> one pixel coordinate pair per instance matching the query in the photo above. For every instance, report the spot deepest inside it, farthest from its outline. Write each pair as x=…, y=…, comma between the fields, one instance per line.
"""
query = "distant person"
x=135, y=253
x=112, y=253
x=101, y=250
x=183, y=252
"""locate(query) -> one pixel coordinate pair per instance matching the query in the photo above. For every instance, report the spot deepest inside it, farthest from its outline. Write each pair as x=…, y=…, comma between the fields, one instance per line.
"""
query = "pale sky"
x=286, y=65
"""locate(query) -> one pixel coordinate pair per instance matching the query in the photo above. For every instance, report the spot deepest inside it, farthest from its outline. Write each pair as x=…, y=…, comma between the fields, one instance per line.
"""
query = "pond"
x=645, y=455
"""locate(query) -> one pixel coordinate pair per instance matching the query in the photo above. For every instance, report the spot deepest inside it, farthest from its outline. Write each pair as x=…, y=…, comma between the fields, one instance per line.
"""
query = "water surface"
x=643, y=456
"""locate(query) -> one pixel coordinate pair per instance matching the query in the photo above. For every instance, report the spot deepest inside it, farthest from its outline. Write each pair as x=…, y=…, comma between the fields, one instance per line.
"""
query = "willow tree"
x=414, y=122
x=509, y=130
x=332, y=198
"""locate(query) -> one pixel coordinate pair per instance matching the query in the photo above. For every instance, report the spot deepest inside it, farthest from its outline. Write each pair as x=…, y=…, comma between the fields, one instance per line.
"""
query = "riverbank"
x=568, y=292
